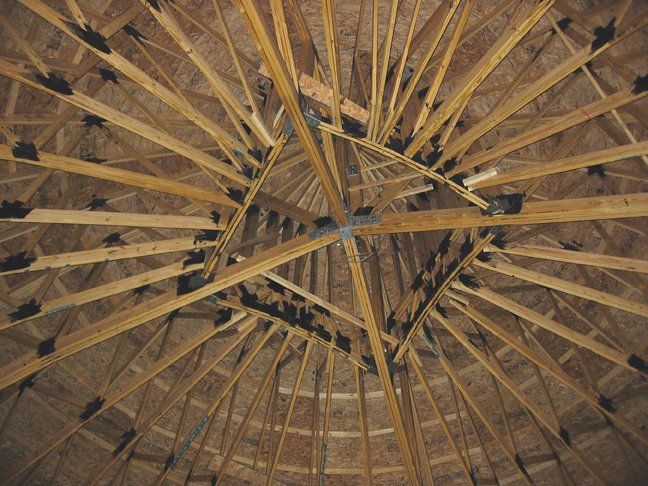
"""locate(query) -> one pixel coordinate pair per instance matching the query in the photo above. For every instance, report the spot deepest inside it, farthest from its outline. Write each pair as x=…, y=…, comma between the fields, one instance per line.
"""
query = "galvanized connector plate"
x=370, y=220
x=288, y=129
x=311, y=121
x=346, y=232
x=352, y=170
x=323, y=231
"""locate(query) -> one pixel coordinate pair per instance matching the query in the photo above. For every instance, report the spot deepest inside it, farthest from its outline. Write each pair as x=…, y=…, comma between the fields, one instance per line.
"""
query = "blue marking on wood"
x=59, y=309
x=323, y=464
x=189, y=441
x=431, y=346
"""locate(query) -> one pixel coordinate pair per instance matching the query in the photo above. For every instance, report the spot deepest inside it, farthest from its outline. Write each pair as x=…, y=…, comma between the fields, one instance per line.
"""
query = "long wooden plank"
x=550, y=367
x=552, y=326
x=566, y=287
x=124, y=121
x=267, y=46
x=445, y=12
x=118, y=252
x=433, y=89
x=566, y=210
x=237, y=217
x=233, y=380
x=524, y=399
x=559, y=166
x=231, y=102
x=159, y=306
x=99, y=218
x=572, y=119
x=333, y=309
x=75, y=166
x=271, y=370
x=407, y=161
x=103, y=291
x=500, y=49
x=221, y=136
x=133, y=384
x=378, y=350
x=532, y=91
x=311, y=337
x=578, y=257
x=291, y=407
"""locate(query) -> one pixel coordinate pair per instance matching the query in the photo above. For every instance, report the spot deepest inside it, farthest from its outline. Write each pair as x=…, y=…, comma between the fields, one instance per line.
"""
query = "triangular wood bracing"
x=302, y=242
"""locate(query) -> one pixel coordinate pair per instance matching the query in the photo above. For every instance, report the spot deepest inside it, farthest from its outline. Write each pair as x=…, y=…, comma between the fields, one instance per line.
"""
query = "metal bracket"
x=288, y=129
x=323, y=231
x=346, y=232
x=311, y=121
x=352, y=170
x=370, y=220
x=312, y=117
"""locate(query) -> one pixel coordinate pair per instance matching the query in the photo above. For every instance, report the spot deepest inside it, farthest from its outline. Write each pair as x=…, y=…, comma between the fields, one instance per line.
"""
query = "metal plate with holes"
x=370, y=220
x=288, y=129
x=323, y=231
x=346, y=232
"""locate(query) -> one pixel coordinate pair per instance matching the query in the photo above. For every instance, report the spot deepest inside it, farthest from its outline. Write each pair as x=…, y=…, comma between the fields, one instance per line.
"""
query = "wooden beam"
x=158, y=306
x=566, y=210
x=67, y=164
x=267, y=46
x=577, y=257
x=566, y=287
x=132, y=385
x=124, y=121
x=552, y=326
x=252, y=408
x=139, y=76
x=500, y=49
x=231, y=102
x=378, y=350
x=559, y=166
x=93, y=294
x=99, y=218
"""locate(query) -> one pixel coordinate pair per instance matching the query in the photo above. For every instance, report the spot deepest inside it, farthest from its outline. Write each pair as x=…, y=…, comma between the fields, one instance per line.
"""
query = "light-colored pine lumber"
x=99, y=218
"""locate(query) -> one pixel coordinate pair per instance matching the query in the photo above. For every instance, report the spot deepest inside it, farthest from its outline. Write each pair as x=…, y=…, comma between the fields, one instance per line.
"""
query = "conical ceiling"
x=302, y=242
